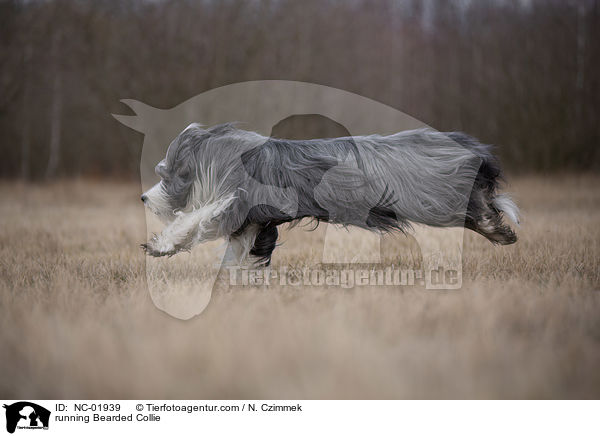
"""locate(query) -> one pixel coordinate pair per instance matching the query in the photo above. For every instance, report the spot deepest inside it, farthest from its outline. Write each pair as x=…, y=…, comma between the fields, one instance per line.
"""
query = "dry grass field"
x=76, y=319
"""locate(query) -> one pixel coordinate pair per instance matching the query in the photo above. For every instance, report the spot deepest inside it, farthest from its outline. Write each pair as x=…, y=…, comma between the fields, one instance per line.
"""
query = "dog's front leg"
x=185, y=231
x=238, y=249
x=176, y=237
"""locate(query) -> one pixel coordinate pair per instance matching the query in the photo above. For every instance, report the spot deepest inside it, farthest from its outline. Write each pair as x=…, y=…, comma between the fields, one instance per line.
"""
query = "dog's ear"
x=161, y=169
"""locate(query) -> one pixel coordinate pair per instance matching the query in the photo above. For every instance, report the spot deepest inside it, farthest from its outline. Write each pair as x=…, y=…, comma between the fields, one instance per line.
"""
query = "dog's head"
x=178, y=172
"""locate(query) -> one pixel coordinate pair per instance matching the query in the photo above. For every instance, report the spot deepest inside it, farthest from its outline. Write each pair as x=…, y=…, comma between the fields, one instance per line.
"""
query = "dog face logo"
x=26, y=415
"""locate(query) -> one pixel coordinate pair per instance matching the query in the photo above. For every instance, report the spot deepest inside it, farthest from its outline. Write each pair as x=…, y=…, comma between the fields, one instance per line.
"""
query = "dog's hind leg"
x=486, y=207
x=485, y=216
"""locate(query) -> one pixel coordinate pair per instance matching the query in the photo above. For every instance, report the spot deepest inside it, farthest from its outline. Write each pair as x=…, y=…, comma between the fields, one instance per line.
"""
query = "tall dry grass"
x=76, y=320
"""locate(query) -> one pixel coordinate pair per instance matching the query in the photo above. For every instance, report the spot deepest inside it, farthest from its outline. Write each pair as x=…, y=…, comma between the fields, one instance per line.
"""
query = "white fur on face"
x=158, y=203
x=197, y=222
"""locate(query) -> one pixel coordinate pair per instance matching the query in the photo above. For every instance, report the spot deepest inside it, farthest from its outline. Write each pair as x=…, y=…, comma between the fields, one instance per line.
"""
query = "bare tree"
x=26, y=130
x=498, y=70
x=56, y=109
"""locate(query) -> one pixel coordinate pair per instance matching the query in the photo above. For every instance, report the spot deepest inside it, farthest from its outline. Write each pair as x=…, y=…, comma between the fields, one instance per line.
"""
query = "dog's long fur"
x=239, y=185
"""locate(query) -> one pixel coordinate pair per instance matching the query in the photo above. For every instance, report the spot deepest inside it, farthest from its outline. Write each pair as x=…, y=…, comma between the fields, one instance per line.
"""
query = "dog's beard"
x=158, y=203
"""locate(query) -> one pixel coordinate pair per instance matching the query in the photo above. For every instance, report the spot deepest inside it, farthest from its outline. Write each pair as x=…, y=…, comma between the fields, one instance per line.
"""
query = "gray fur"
x=380, y=183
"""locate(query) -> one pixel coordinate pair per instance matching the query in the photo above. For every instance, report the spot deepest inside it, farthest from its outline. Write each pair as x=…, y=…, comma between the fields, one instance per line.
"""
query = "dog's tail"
x=486, y=206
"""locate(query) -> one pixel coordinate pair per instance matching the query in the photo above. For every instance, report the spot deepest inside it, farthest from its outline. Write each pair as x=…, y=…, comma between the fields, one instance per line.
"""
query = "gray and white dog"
x=224, y=182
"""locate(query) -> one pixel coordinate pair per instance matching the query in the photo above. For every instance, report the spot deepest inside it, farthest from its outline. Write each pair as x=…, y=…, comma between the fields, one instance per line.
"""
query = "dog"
x=226, y=182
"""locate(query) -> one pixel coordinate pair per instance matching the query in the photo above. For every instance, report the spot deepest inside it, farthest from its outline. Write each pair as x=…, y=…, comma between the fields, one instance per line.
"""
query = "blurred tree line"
x=524, y=75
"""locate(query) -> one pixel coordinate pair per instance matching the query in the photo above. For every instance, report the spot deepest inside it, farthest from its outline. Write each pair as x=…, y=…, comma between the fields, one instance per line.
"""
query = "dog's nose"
x=144, y=197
